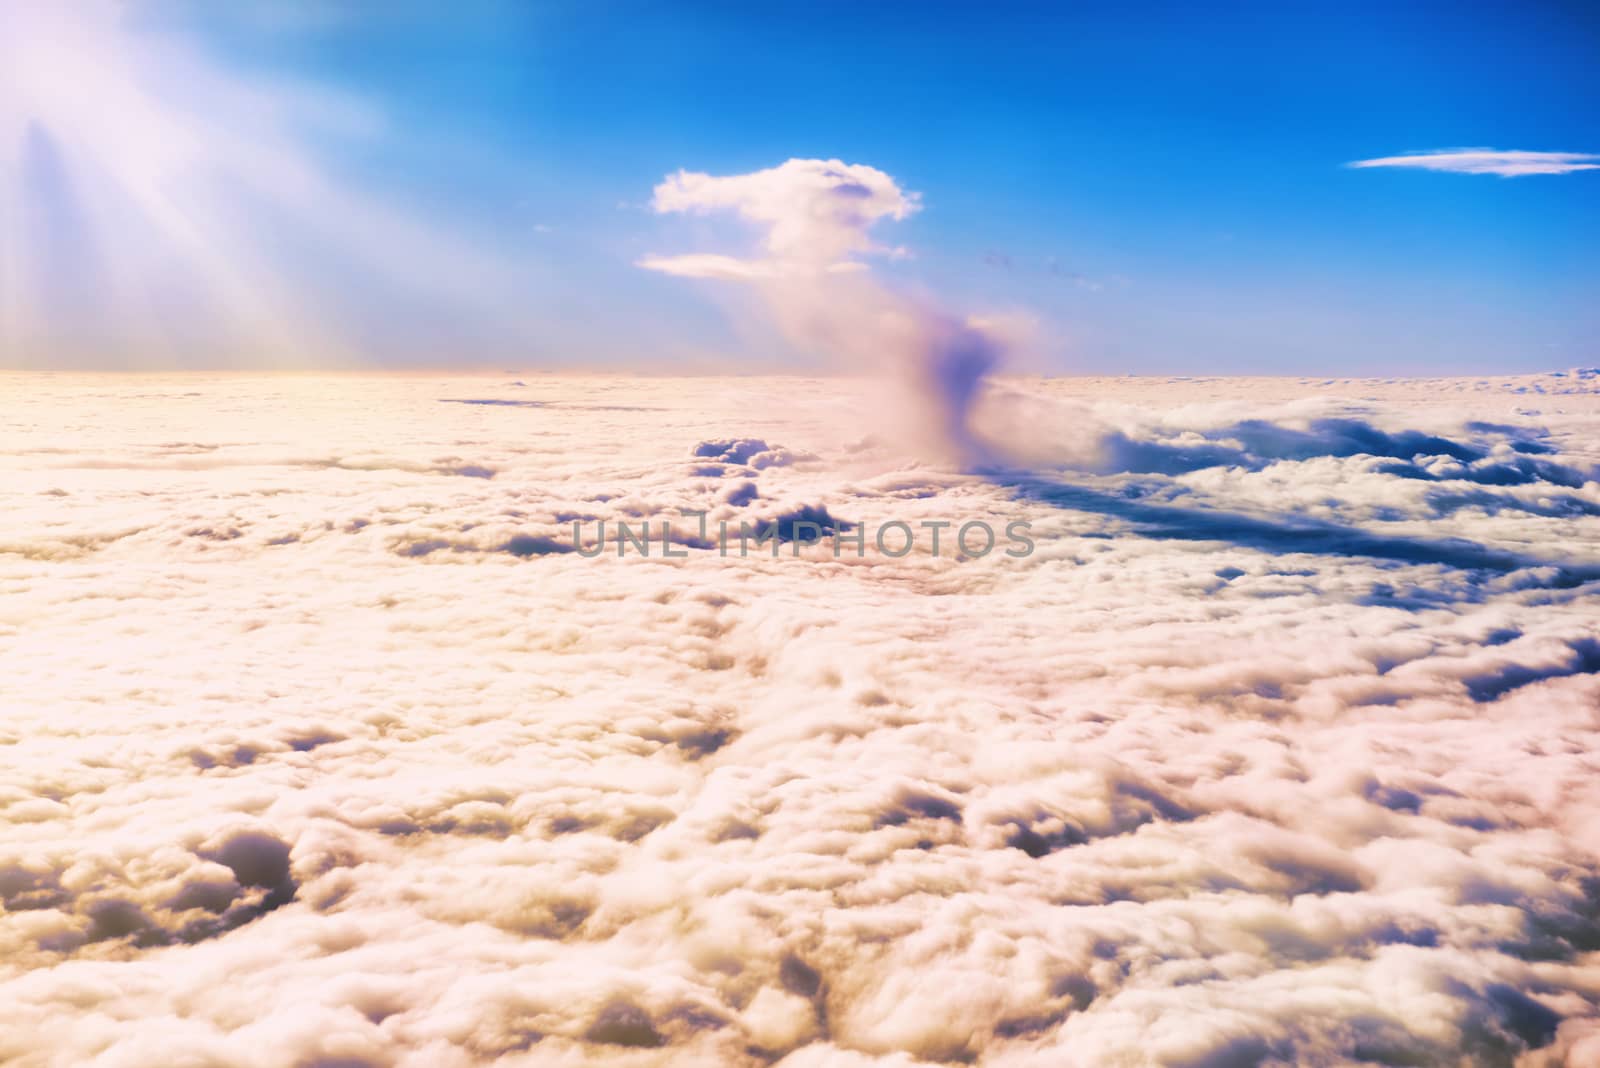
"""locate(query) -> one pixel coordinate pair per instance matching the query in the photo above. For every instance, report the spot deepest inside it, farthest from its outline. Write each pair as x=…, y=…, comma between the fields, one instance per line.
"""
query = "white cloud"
x=1510, y=164
x=817, y=214
x=708, y=265
x=1137, y=798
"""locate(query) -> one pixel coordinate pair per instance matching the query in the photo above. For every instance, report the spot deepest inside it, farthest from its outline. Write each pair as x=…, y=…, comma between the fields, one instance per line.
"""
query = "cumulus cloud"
x=817, y=215
x=1507, y=164
x=283, y=786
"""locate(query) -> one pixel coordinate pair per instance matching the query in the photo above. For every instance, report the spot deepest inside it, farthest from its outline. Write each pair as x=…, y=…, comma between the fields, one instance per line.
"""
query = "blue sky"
x=1161, y=188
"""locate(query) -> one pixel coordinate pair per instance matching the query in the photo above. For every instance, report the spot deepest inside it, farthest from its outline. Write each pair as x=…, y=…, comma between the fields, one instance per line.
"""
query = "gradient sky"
x=1160, y=188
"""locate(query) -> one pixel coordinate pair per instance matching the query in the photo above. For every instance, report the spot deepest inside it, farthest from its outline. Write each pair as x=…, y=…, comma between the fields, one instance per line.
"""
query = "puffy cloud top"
x=817, y=213
x=318, y=749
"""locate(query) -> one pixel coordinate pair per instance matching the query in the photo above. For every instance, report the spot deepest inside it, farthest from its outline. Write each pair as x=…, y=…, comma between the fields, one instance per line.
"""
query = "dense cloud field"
x=319, y=746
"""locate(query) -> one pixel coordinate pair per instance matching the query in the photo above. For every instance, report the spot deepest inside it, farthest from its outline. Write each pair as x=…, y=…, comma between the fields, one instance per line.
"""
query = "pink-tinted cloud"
x=304, y=760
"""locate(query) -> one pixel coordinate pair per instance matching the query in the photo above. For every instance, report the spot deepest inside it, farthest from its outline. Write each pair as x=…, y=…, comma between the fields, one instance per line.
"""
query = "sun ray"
x=182, y=179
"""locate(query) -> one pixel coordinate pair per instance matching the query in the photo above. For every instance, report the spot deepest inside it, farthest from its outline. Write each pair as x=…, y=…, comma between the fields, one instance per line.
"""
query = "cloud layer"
x=1512, y=164
x=1279, y=749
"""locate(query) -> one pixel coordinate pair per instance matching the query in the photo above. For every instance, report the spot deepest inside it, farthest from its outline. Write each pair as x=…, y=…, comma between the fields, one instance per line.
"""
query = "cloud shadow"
x=1301, y=535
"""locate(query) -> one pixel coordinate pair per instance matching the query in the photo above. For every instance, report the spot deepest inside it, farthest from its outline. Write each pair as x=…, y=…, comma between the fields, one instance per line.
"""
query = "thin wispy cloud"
x=1510, y=164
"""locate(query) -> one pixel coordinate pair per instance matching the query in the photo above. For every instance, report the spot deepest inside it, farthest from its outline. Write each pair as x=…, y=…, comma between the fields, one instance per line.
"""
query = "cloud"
x=1511, y=164
x=709, y=265
x=816, y=214
x=415, y=787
